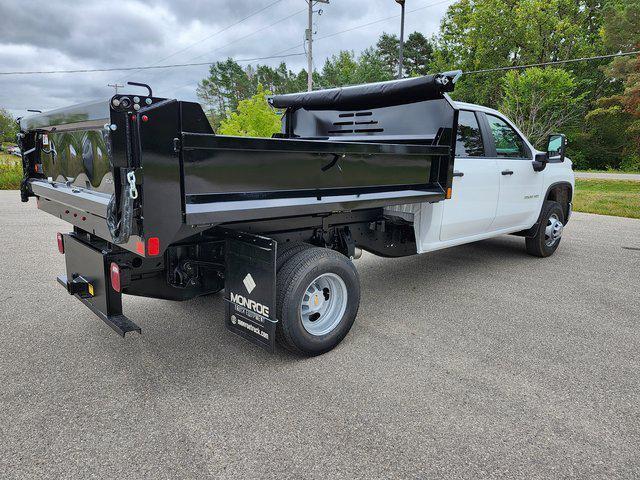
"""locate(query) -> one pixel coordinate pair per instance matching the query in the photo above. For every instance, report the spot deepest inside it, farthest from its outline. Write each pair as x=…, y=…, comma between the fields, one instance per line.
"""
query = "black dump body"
x=137, y=167
x=163, y=207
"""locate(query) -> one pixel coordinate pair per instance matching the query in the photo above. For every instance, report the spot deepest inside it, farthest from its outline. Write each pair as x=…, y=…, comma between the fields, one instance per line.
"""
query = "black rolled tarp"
x=371, y=95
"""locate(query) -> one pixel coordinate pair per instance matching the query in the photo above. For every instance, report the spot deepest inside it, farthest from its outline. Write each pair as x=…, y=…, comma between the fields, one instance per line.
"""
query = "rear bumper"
x=119, y=323
x=87, y=279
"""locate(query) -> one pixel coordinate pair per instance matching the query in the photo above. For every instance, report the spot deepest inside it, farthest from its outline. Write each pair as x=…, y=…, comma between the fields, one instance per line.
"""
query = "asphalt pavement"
x=474, y=362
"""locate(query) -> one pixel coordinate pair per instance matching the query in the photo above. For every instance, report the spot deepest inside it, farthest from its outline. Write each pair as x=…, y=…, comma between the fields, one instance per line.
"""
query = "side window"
x=508, y=143
x=469, y=139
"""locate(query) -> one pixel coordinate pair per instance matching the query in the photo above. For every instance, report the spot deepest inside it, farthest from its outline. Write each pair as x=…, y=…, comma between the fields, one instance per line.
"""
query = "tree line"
x=596, y=103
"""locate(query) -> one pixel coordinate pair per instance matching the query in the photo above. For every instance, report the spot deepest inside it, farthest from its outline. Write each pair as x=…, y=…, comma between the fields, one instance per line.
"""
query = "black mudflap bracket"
x=250, y=294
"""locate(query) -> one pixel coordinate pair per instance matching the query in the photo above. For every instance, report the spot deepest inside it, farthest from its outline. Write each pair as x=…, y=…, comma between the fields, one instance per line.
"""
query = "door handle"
x=458, y=174
x=507, y=172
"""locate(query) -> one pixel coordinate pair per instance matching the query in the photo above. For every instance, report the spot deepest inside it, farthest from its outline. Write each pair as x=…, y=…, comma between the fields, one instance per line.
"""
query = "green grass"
x=620, y=198
x=611, y=170
x=10, y=172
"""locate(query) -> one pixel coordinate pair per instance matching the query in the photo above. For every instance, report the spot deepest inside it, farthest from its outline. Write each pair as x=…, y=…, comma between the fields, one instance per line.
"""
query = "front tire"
x=549, y=234
x=318, y=295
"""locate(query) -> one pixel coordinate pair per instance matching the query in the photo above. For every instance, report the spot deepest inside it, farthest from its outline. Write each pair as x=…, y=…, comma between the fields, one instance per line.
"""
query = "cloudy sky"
x=69, y=34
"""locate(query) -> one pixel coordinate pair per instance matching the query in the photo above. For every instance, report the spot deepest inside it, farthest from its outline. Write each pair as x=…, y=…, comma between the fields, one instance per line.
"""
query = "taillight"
x=60, y=239
x=114, y=272
x=153, y=246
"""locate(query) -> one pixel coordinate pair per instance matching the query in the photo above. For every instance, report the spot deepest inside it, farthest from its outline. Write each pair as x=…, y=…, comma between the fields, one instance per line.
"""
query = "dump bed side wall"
x=218, y=166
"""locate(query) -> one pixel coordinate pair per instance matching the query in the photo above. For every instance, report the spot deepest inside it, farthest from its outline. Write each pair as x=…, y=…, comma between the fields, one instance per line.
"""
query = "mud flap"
x=250, y=294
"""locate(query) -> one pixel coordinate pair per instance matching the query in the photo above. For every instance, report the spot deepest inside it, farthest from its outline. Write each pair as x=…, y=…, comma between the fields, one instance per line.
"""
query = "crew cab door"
x=472, y=207
x=520, y=184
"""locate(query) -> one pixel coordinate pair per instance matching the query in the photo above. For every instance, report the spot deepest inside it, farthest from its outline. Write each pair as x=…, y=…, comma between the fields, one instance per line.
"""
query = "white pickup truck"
x=501, y=185
x=161, y=206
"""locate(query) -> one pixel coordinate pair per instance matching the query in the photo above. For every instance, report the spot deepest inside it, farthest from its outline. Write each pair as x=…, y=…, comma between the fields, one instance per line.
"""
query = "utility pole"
x=400, y=56
x=309, y=38
x=115, y=86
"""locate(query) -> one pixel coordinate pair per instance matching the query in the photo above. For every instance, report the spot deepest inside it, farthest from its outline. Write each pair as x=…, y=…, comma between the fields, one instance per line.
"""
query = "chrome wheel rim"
x=323, y=304
x=553, y=230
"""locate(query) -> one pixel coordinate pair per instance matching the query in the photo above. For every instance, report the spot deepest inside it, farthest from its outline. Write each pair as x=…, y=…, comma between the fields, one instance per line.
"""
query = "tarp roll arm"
x=372, y=95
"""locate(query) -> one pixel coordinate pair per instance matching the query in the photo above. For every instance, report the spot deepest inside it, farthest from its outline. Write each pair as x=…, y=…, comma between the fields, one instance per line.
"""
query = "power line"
x=250, y=34
x=279, y=54
x=266, y=58
x=179, y=65
x=223, y=30
x=557, y=62
x=187, y=64
x=147, y=67
x=364, y=25
x=238, y=22
x=275, y=55
x=381, y=20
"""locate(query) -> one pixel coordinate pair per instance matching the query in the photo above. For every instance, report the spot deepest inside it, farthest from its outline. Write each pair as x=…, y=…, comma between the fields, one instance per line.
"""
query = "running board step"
x=120, y=324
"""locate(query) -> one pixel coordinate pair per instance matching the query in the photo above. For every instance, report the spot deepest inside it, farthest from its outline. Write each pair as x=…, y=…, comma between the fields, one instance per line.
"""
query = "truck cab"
x=500, y=184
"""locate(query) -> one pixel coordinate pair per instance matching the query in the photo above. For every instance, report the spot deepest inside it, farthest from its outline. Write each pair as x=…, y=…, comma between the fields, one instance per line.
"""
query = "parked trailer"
x=163, y=207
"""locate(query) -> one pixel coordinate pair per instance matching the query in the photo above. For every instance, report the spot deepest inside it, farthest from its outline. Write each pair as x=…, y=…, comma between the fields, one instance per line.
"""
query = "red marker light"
x=153, y=246
x=145, y=118
x=133, y=118
x=60, y=239
x=114, y=273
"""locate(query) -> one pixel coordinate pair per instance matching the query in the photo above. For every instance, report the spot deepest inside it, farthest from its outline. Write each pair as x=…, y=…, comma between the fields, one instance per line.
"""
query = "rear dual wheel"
x=318, y=295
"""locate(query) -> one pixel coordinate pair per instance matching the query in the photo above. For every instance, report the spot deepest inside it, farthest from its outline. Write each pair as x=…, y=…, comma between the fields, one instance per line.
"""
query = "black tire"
x=292, y=281
x=288, y=250
x=540, y=245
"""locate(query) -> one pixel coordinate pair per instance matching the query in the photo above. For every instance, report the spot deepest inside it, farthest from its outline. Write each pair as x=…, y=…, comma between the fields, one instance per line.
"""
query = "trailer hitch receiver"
x=78, y=285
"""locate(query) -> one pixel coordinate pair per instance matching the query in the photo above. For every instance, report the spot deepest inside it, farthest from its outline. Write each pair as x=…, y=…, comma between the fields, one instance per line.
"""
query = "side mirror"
x=556, y=146
x=540, y=162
